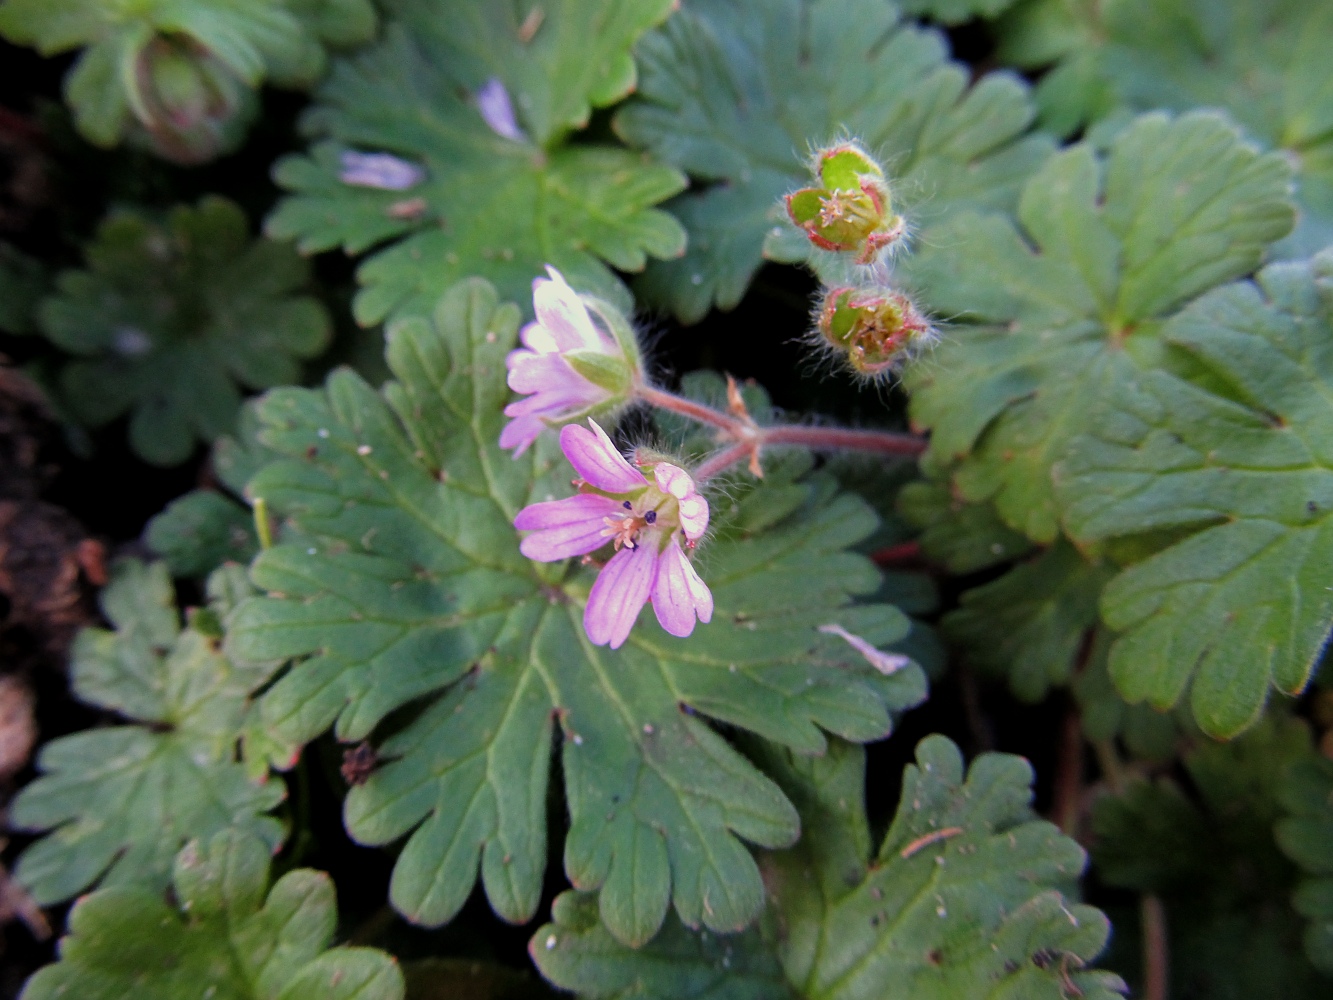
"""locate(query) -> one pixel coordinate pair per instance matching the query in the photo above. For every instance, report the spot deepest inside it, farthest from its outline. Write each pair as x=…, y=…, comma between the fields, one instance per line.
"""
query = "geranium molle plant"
x=649, y=522
x=569, y=369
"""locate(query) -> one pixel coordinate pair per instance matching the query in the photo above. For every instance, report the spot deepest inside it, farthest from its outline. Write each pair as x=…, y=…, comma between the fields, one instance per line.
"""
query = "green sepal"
x=845, y=168
x=601, y=369
x=805, y=205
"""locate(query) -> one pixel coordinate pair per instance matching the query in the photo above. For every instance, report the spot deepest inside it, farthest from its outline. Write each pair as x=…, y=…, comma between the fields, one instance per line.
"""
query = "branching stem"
x=844, y=439
x=748, y=439
x=664, y=400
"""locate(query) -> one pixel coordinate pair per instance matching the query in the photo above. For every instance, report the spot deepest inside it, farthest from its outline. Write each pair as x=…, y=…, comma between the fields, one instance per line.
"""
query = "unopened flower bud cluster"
x=870, y=326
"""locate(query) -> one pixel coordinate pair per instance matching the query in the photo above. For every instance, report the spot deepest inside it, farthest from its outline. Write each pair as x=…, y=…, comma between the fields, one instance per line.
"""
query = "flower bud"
x=875, y=329
x=569, y=366
x=190, y=104
x=851, y=210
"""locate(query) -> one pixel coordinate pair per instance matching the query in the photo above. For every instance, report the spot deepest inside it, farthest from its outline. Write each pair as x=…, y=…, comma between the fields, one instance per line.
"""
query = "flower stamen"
x=624, y=530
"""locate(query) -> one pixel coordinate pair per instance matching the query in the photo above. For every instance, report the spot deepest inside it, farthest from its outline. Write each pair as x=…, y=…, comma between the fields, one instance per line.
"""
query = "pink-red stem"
x=723, y=460
x=749, y=438
x=1156, y=954
x=687, y=407
x=843, y=439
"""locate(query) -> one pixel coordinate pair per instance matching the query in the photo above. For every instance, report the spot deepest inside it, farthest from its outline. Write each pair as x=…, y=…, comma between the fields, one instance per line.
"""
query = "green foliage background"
x=260, y=300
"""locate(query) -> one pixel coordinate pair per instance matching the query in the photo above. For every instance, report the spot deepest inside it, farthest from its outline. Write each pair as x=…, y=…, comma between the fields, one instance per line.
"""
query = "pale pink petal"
x=547, y=404
x=519, y=434
x=531, y=415
x=694, y=517
x=565, y=528
x=379, y=170
x=885, y=663
x=693, y=507
x=564, y=316
x=595, y=458
x=547, y=373
x=498, y=111
x=548, y=376
x=618, y=595
x=672, y=479
x=538, y=338
x=679, y=594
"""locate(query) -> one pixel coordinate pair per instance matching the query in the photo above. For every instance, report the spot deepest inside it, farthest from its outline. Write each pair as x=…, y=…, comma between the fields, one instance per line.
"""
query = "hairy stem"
x=664, y=400
x=1069, y=775
x=1156, y=957
x=749, y=439
x=723, y=460
x=844, y=439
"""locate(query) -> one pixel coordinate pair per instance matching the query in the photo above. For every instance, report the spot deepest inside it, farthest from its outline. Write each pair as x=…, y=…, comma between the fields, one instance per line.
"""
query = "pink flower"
x=644, y=520
x=568, y=368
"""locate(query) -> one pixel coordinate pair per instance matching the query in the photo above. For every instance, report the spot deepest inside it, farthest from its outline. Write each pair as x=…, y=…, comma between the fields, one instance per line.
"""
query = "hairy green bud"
x=851, y=209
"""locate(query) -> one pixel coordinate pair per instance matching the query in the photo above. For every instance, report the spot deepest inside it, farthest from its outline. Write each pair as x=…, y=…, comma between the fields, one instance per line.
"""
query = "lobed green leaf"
x=501, y=206
x=1231, y=930
x=954, y=12
x=170, y=321
x=1237, y=458
x=1262, y=61
x=407, y=581
x=962, y=899
x=198, y=532
x=225, y=934
x=119, y=801
x=1305, y=835
x=1066, y=312
x=1034, y=623
x=734, y=93
x=233, y=43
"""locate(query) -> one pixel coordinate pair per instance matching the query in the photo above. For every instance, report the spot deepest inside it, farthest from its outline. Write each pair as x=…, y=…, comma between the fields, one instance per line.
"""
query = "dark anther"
x=1043, y=958
x=358, y=762
x=627, y=505
x=651, y=517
